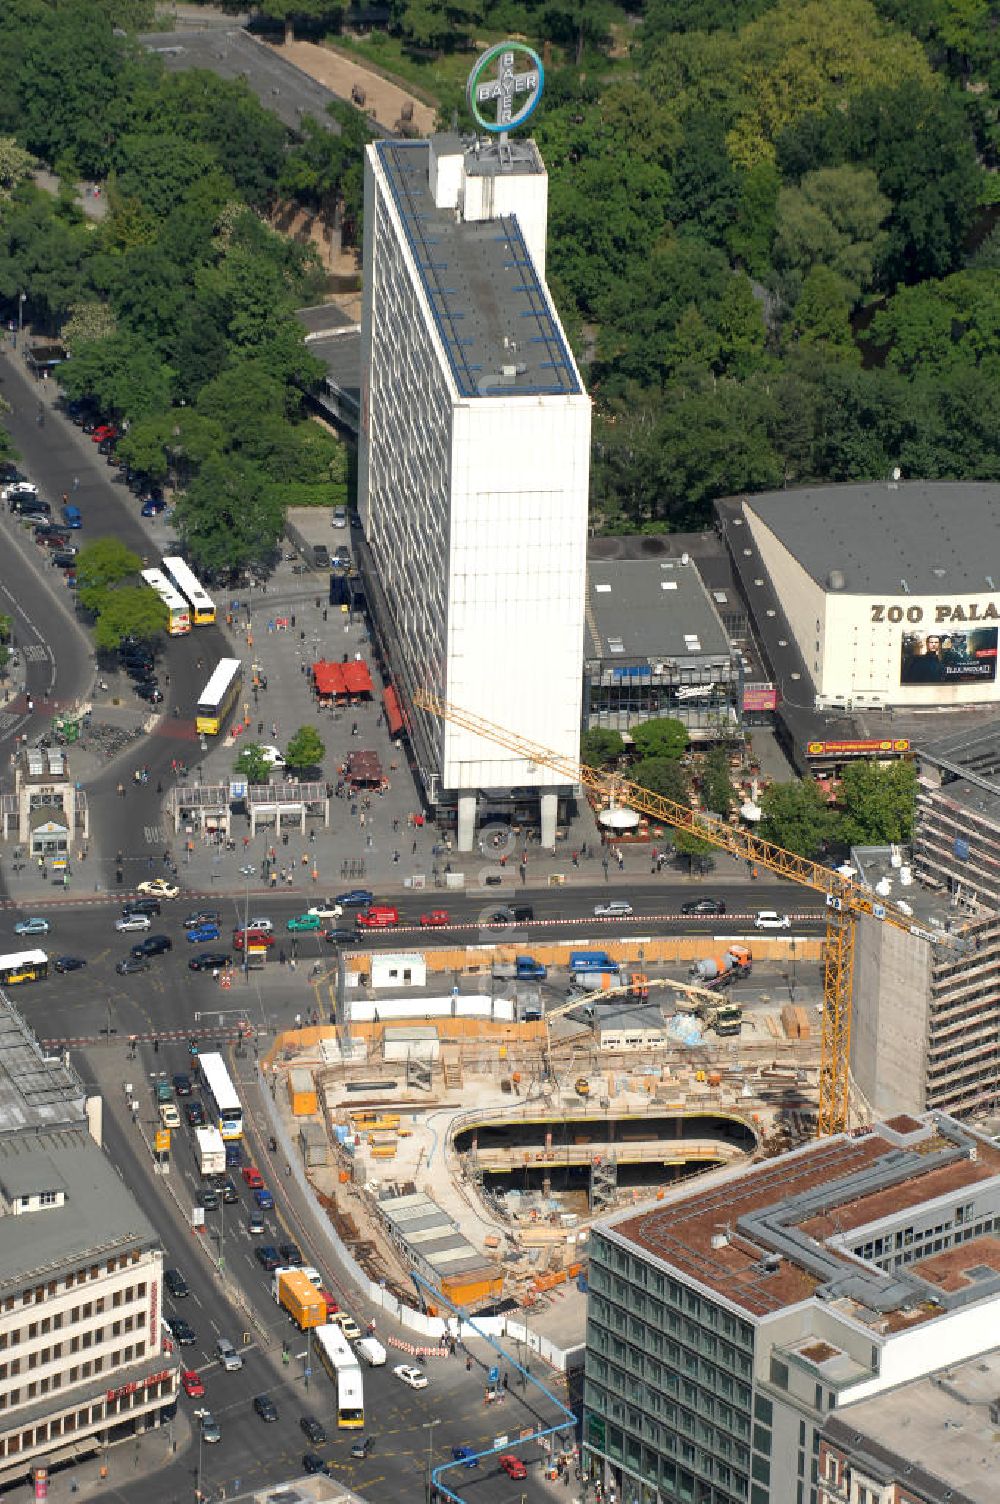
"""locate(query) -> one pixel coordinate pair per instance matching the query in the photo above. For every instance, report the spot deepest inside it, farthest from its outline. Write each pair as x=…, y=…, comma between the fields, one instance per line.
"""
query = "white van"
x=373, y=1352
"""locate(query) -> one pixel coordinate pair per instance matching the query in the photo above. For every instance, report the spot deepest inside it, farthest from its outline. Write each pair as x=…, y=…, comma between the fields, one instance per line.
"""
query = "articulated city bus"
x=342, y=1364
x=218, y=697
x=223, y=1107
x=178, y=612
x=183, y=576
x=23, y=966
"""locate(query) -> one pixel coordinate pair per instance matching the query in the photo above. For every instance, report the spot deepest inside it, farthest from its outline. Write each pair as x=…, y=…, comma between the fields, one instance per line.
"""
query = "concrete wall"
x=889, y=1018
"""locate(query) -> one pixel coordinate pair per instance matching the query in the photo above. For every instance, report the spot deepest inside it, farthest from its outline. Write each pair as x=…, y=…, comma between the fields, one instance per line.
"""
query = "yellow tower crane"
x=846, y=900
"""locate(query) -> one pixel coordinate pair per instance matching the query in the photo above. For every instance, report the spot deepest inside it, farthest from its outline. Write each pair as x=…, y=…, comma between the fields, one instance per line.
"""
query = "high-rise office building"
x=473, y=471
x=728, y=1322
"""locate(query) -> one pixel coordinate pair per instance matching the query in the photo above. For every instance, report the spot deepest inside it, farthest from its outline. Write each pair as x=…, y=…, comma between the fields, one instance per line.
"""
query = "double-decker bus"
x=23, y=966
x=183, y=576
x=219, y=696
x=178, y=611
x=342, y=1364
x=223, y=1107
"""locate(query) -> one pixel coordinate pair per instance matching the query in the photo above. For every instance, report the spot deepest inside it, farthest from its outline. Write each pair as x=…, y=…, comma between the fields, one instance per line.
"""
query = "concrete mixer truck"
x=719, y=970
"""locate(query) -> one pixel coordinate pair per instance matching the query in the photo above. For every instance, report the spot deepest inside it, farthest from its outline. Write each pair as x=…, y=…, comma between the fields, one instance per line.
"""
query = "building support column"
x=548, y=809
x=466, y=821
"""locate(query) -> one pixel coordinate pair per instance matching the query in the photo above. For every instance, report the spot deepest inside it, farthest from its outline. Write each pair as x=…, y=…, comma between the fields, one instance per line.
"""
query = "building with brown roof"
x=727, y=1321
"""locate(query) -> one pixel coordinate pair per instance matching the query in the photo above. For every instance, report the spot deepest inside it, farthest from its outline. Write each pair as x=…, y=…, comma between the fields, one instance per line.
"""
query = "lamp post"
x=429, y=1428
x=21, y=300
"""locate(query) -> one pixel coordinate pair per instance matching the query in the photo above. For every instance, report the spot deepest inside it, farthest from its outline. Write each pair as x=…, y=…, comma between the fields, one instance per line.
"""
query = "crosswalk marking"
x=36, y=652
x=7, y=722
x=154, y=835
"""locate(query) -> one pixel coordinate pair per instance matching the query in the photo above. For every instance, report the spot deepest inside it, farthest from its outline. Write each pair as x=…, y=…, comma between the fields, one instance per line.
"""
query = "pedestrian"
x=414, y=848
x=289, y=879
x=76, y=483
x=274, y=879
x=281, y=956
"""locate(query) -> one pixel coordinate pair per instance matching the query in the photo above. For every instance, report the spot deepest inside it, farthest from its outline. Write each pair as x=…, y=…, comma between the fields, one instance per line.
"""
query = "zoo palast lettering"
x=971, y=612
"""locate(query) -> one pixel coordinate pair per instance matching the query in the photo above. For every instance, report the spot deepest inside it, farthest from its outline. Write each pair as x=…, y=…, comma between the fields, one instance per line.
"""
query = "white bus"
x=341, y=1363
x=183, y=576
x=178, y=612
x=23, y=966
x=222, y=1106
x=218, y=697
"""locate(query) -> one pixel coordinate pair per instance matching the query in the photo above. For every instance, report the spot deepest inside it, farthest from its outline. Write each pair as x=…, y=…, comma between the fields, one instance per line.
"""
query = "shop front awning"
x=393, y=712
x=357, y=679
x=329, y=678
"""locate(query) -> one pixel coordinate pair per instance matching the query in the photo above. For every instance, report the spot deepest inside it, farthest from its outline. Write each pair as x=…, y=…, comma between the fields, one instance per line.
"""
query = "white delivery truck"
x=373, y=1352
x=211, y=1151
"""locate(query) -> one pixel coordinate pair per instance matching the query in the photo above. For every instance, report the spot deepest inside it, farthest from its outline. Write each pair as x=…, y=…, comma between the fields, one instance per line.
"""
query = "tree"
x=797, y=817
x=665, y=737
x=439, y=24
x=599, y=748
x=662, y=775
x=305, y=750
x=741, y=329
x=717, y=792
x=15, y=165
x=252, y=763
x=878, y=803
x=105, y=562
x=131, y=610
x=832, y=219
x=697, y=851
x=823, y=315
x=226, y=517
x=87, y=323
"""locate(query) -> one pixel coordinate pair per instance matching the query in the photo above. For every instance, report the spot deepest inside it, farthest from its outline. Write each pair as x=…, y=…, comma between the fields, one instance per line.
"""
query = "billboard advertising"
x=760, y=697
x=888, y=746
x=949, y=657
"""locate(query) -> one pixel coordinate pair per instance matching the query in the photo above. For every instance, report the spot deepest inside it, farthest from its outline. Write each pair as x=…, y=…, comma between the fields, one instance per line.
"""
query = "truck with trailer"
x=298, y=1295
x=211, y=1151
x=521, y=969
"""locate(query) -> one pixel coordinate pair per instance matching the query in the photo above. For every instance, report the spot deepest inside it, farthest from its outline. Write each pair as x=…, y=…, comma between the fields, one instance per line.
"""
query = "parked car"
x=209, y=960
x=202, y=916
x=131, y=964
x=465, y=1455
x=33, y=926
x=151, y=693
x=703, y=906
x=203, y=932
x=338, y=517
x=272, y=755
x=153, y=945
x=312, y=1463
x=153, y=506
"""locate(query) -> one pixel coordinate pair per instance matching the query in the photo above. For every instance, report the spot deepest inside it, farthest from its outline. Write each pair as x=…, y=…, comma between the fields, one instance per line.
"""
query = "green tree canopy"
x=305, y=750
x=665, y=737
x=798, y=817
x=252, y=764
x=717, y=792
x=131, y=609
x=662, y=775
x=878, y=803
x=105, y=562
x=599, y=747
x=226, y=517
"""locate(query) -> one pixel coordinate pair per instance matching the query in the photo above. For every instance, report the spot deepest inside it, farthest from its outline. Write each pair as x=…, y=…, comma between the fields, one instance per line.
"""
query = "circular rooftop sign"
x=504, y=86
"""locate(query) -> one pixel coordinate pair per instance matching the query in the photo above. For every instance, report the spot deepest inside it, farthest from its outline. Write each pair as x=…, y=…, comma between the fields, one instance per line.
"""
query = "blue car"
x=234, y=1156
x=153, y=506
x=72, y=517
x=35, y=926
x=465, y=1455
x=264, y=1199
x=202, y=932
x=357, y=898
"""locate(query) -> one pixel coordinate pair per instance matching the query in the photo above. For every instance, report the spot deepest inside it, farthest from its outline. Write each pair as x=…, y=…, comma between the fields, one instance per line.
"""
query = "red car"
x=513, y=1466
x=331, y=1305
x=104, y=431
x=191, y=1381
x=436, y=919
x=255, y=937
x=253, y=1177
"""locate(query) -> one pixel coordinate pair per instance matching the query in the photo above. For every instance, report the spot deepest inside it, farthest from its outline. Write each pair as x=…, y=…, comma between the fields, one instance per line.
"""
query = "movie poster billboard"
x=949, y=657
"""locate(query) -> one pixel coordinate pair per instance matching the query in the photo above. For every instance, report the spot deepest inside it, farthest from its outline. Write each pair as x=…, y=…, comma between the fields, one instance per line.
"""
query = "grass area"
x=440, y=76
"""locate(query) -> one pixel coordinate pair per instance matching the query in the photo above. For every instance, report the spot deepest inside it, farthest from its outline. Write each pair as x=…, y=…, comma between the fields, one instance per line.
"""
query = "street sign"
x=494, y=1376
x=161, y=1142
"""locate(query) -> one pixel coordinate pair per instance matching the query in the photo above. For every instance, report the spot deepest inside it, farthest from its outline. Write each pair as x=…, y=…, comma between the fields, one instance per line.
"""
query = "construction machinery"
x=846, y=900
x=723, y=1017
x=730, y=965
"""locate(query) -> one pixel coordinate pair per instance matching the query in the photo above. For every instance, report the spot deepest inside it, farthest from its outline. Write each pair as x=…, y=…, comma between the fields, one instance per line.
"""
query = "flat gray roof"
x=650, y=609
x=933, y=1435
x=491, y=309
x=99, y=1216
x=912, y=537
x=324, y=318
x=36, y=1090
x=280, y=86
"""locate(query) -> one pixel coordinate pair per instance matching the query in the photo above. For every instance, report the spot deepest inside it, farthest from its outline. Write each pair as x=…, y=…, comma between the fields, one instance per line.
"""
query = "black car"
x=131, y=964
x=141, y=673
x=291, y=1254
x=182, y=1084
x=195, y=1114
x=267, y=1257
x=265, y=1407
x=149, y=692
x=312, y=1462
x=703, y=906
x=229, y=1191
x=315, y=1431
x=209, y=960
x=175, y=1283
x=69, y=963
x=63, y=559
x=341, y=937
x=202, y=916
x=181, y=1331
x=209, y=1198
x=153, y=945
x=141, y=906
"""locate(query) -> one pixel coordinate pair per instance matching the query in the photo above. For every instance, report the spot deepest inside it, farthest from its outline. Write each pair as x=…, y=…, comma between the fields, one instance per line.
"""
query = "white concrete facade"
x=473, y=472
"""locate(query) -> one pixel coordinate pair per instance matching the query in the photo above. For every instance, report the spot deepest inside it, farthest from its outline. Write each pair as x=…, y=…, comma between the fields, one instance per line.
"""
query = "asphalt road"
x=251, y=1452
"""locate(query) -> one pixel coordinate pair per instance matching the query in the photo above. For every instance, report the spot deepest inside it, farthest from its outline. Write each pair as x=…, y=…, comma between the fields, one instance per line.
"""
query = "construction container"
x=805, y=1029
x=302, y=1093
x=383, y=1151
x=474, y=1286
x=314, y=1145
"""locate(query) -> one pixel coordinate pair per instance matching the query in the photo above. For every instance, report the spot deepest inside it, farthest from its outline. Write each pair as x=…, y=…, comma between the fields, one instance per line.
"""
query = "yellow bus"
x=219, y=696
x=23, y=966
x=202, y=604
x=178, y=612
x=342, y=1364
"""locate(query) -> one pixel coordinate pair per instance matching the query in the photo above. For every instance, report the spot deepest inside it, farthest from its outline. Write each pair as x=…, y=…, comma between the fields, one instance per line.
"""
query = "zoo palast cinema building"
x=876, y=606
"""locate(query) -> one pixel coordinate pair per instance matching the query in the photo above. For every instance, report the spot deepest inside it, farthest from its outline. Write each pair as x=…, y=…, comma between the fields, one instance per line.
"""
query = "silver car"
x=133, y=922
